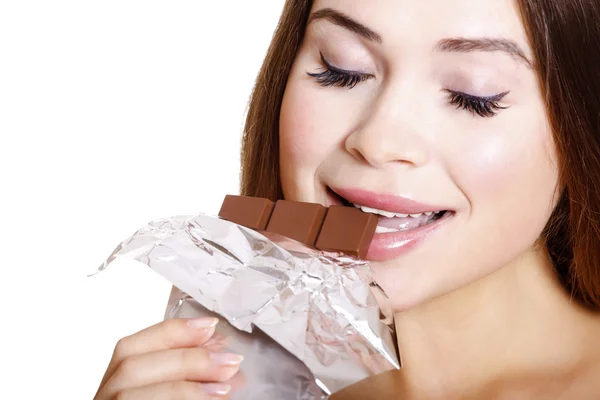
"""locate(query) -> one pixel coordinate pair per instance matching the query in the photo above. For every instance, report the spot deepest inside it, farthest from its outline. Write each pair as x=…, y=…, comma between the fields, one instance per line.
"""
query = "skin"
x=479, y=289
x=478, y=311
x=170, y=360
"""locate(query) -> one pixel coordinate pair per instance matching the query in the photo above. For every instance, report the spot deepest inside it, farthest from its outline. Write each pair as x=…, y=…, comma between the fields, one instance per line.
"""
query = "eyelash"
x=483, y=106
x=333, y=76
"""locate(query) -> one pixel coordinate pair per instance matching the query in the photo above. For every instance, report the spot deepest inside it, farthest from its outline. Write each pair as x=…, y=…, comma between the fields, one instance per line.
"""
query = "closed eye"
x=486, y=107
x=333, y=76
x=483, y=106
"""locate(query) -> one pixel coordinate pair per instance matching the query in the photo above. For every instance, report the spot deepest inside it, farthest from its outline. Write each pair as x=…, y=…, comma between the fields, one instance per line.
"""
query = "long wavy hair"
x=565, y=37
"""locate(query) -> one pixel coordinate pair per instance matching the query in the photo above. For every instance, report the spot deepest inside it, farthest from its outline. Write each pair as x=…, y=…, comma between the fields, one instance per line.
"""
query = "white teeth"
x=376, y=211
x=383, y=229
x=369, y=210
x=389, y=214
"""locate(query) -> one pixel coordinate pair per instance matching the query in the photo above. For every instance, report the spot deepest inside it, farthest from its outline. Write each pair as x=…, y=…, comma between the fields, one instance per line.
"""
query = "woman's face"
x=430, y=109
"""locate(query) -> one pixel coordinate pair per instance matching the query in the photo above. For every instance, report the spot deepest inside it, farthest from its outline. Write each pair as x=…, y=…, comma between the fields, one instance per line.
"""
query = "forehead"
x=425, y=22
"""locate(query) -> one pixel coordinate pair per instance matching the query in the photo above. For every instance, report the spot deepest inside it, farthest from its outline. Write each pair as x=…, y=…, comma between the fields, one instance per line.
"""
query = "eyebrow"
x=467, y=45
x=346, y=22
x=459, y=45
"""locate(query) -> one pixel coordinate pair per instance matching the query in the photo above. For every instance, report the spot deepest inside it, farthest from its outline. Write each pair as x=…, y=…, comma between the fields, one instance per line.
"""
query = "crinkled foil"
x=320, y=327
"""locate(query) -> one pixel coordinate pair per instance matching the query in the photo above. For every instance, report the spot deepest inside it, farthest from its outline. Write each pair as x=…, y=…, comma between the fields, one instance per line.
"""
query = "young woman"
x=472, y=127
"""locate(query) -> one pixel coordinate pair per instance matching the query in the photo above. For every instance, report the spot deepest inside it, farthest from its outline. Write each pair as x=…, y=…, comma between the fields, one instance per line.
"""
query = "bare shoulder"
x=584, y=384
x=580, y=383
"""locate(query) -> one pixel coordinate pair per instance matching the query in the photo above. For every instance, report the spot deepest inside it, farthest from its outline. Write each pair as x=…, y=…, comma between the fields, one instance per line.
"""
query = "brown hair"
x=565, y=36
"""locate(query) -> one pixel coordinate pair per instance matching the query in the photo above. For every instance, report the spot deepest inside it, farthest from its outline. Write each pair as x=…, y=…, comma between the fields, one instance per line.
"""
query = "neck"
x=515, y=323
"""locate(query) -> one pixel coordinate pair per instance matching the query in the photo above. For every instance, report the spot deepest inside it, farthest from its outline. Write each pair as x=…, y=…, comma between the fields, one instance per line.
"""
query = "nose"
x=392, y=132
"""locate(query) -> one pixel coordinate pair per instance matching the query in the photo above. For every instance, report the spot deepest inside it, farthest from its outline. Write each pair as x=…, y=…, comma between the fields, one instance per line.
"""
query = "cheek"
x=300, y=139
x=510, y=178
x=309, y=129
x=296, y=127
x=486, y=166
x=304, y=142
x=508, y=181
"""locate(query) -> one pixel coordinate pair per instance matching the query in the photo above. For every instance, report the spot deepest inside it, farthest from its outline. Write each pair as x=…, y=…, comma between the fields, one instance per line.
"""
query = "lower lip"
x=387, y=246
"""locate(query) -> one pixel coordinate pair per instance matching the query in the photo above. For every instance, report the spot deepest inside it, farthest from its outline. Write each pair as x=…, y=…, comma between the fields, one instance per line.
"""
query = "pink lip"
x=387, y=246
x=386, y=202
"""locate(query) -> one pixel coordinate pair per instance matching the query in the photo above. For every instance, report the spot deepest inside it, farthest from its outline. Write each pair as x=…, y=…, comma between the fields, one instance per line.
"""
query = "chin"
x=406, y=288
x=401, y=300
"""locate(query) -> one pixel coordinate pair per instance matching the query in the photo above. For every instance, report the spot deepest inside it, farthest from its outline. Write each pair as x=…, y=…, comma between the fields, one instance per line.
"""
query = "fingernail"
x=202, y=323
x=216, y=389
x=226, y=359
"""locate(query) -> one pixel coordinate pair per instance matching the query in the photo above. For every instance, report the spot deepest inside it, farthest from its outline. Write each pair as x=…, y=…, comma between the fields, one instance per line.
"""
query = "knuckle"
x=127, y=368
x=122, y=348
x=186, y=358
x=122, y=395
x=172, y=330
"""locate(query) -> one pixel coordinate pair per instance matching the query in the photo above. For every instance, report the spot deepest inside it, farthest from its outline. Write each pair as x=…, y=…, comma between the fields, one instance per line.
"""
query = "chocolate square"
x=251, y=212
x=297, y=220
x=347, y=229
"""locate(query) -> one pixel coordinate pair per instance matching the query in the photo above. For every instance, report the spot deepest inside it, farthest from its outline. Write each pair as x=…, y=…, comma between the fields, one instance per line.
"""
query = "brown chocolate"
x=297, y=220
x=251, y=212
x=339, y=228
x=347, y=229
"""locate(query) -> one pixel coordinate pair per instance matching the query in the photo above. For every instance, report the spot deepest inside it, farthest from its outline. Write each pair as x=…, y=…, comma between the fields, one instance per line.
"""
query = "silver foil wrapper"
x=307, y=322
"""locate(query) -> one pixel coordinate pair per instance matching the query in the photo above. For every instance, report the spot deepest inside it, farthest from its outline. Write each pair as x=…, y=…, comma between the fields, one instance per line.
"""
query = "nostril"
x=353, y=147
x=358, y=155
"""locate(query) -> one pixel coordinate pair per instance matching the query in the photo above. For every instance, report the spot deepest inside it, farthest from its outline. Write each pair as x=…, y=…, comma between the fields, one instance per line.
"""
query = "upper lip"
x=386, y=202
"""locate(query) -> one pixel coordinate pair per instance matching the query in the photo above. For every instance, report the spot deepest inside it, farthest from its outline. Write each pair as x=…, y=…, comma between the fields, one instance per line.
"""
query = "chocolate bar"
x=337, y=228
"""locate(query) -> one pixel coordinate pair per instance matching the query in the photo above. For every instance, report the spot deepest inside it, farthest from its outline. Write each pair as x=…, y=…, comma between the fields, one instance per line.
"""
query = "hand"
x=165, y=361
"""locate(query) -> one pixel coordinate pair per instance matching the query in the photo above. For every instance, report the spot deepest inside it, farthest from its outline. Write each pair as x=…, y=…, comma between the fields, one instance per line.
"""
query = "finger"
x=238, y=381
x=185, y=364
x=173, y=333
x=176, y=391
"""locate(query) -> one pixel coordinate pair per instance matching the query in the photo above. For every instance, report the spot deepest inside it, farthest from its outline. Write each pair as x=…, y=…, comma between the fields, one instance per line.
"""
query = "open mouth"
x=391, y=222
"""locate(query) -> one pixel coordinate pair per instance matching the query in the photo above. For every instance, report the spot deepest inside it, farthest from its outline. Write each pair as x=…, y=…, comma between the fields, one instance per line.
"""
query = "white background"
x=112, y=113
